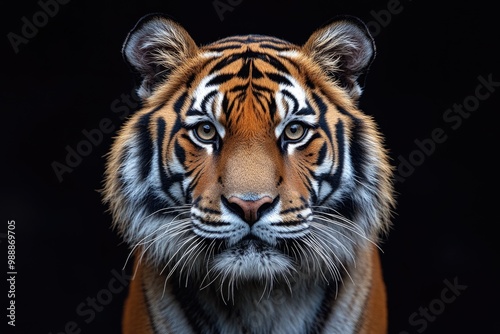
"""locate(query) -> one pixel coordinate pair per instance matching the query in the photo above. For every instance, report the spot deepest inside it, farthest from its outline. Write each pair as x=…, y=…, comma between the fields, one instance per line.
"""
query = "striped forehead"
x=243, y=72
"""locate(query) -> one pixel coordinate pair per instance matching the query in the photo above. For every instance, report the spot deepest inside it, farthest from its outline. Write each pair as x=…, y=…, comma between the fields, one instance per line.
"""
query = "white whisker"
x=327, y=232
x=334, y=219
x=143, y=242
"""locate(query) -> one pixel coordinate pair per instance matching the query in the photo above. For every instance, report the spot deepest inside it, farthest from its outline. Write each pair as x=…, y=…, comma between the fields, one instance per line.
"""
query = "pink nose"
x=249, y=211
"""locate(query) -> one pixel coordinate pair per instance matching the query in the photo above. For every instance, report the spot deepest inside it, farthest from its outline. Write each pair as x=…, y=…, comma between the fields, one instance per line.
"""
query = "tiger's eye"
x=294, y=131
x=206, y=132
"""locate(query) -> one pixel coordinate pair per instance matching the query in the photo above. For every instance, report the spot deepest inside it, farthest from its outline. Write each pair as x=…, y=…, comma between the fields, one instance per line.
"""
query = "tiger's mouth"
x=251, y=240
x=252, y=259
x=249, y=245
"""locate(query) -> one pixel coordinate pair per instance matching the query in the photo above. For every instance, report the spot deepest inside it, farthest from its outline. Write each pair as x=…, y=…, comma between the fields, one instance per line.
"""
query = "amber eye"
x=206, y=132
x=294, y=131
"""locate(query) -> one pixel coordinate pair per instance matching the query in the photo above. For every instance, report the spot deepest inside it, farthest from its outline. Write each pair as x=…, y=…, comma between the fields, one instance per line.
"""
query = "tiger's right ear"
x=344, y=49
x=154, y=47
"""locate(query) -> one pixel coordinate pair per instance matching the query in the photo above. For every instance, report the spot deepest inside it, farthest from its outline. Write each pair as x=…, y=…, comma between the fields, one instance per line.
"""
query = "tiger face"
x=249, y=160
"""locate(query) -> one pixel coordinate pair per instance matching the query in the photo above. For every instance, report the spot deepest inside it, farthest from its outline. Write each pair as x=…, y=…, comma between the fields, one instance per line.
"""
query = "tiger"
x=252, y=191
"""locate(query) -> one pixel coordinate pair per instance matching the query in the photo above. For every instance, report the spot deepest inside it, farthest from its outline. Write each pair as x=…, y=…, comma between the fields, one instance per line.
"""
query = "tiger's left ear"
x=344, y=49
x=155, y=47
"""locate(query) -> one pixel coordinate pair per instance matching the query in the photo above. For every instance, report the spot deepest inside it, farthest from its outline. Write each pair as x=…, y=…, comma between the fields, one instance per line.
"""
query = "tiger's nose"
x=249, y=210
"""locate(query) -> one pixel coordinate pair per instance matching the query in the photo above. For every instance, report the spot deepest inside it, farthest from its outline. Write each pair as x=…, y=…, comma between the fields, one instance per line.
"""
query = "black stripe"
x=294, y=99
x=260, y=88
x=194, y=112
x=290, y=223
x=357, y=150
x=186, y=295
x=208, y=210
x=225, y=62
x=273, y=61
x=334, y=179
x=209, y=223
x=309, y=82
x=189, y=80
x=347, y=208
x=321, y=155
x=322, y=113
x=144, y=145
x=226, y=108
x=179, y=103
x=283, y=212
x=357, y=153
x=326, y=308
x=272, y=107
x=244, y=71
x=261, y=98
x=224, y=48
x=256, y=73
x=152, y=203
x=281, y=47
x=280, y=79
x=165, y=181
x=305, y=112
x=239, y=88
x=206, y=99
x=220, y=79
x=306, y=144
x=180, y=153
x=177, y=108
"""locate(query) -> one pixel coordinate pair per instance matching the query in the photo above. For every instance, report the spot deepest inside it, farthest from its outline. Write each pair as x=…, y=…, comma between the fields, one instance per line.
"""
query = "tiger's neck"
x=356, y=305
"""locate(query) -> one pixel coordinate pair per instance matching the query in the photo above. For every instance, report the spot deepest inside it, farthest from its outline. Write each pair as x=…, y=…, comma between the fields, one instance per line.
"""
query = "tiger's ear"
x=154, y=47
x=344, y=49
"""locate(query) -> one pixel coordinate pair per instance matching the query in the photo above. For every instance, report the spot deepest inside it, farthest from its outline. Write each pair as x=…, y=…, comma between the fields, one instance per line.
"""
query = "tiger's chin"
x=252, y=260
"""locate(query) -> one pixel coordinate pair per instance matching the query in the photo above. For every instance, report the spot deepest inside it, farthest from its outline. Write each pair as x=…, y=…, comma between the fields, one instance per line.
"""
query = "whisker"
x=172, y=270
x=327, y=230
x=194, y=260
x=181, y=224
x=187, y=240
x=319, y=251
x=334, y=221
x=207, y=275
x=325, y=244
x=142, y=241
x=337, y=215
x=191, y=259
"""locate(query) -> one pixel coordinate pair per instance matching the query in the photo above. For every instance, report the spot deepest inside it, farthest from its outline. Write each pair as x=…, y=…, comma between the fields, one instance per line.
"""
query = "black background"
x=70, y=76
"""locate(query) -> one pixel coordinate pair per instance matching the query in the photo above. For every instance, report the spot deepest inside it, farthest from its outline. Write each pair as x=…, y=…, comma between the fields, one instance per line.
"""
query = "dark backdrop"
x=433, y=89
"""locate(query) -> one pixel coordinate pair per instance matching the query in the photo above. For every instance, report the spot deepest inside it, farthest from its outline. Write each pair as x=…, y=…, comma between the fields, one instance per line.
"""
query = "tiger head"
x=249, y=159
